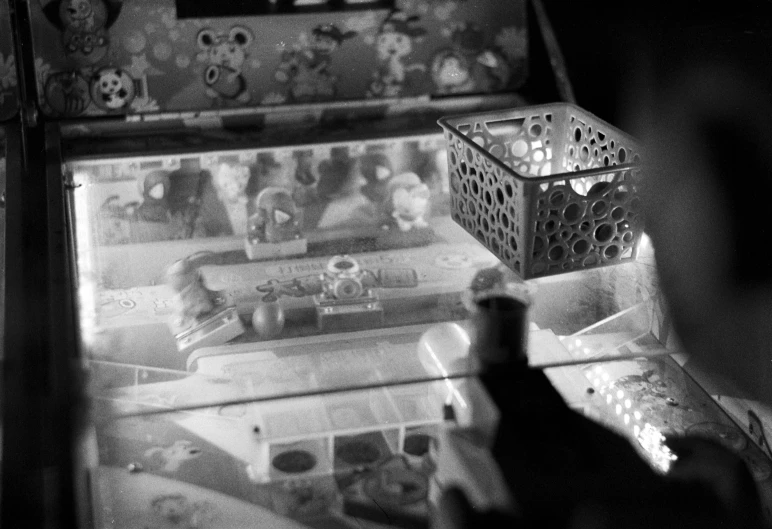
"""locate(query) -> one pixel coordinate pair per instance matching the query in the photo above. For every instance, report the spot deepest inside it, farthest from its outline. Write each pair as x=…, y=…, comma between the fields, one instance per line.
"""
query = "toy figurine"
x=273, y=229
x=155, y=205
x=202, y=317
x=344, y=293
x=409, y=200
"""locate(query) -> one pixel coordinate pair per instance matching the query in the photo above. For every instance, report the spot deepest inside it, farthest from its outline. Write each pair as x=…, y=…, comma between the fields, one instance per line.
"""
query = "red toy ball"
x=268, y=320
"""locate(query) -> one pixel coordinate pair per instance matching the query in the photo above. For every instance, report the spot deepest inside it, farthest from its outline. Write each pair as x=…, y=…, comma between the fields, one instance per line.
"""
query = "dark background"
x=620, y=52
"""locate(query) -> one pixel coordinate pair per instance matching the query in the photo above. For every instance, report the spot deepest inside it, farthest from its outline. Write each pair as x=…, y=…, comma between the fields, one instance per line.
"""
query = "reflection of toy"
x=341, y=205
x=377, y=171
x=155, y=205
x=394, y=43
x=409, y=201
x=115, y=221
x=469, y=64
x=202, y=317
x=225, y=56
x=343, y=294
x=112, y=89
x=175, y=509
x=392, y=493
x=273, y=230
x=171, y=457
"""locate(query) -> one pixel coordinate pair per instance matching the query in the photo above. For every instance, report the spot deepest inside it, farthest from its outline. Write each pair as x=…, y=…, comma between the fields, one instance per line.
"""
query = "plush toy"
x=193, y=301
x=155, y=204
x=409, y=198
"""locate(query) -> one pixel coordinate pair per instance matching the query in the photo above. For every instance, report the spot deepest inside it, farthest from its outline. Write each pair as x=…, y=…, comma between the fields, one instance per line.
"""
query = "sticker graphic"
x=112, y=89
x=84, y=25
x=224, y=56
x=394, y=44
x=306, y=67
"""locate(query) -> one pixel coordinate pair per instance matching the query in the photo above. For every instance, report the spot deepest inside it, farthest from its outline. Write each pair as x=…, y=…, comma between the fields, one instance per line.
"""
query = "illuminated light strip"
x=87, y=293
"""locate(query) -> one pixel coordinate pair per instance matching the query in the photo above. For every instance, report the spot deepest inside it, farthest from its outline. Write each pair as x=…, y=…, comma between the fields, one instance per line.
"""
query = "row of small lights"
x=649, y=437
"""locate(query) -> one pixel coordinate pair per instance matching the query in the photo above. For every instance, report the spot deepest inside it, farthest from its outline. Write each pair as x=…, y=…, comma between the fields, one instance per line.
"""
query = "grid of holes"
x=484, y=202
x=574, y=231
x=526, y=150
x=590, y=146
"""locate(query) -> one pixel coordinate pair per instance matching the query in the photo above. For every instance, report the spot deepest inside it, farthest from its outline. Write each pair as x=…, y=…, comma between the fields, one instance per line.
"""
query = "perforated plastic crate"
x=548, y=189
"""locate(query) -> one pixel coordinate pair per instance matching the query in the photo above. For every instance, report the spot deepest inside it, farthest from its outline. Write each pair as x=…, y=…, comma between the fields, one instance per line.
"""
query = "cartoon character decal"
x=306, y=68
x=112, y=89
x=451, y=72
x=224, y=56
x=67, y=93
x=394, y=44
x=469, y=64
x=84, y=25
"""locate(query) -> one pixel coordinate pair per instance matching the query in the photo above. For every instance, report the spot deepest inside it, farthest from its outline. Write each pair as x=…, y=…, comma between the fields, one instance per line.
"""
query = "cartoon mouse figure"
x=84, y=25
x=394, y=43
x=224, y=55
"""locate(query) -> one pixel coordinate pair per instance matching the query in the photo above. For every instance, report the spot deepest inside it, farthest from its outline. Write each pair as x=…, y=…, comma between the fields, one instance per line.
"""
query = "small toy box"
x=548, y=189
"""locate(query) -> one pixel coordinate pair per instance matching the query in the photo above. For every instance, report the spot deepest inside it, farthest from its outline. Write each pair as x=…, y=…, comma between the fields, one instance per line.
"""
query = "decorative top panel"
x=106, y=57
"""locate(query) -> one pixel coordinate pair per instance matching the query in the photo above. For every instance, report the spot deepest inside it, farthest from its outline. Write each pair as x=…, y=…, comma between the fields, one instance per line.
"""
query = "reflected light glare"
x=87, y=287
x=444, y=374
x=620, y=394
x=608, y=398
x=637, y=415
x=626, y=418
x=628, y=403
x=618, y=409
x=653, y=442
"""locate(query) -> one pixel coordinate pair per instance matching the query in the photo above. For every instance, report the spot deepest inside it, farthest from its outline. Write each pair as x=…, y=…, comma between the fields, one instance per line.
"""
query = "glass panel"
x=284, y=335
x=382, y=455
x=249, y=274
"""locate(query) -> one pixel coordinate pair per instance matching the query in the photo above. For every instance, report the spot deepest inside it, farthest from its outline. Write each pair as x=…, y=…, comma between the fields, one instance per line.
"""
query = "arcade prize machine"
x=275, y=284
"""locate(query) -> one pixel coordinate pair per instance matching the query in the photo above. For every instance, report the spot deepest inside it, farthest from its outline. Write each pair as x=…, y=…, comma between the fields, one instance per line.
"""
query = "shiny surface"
x=305, y=384
x=291, y=312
